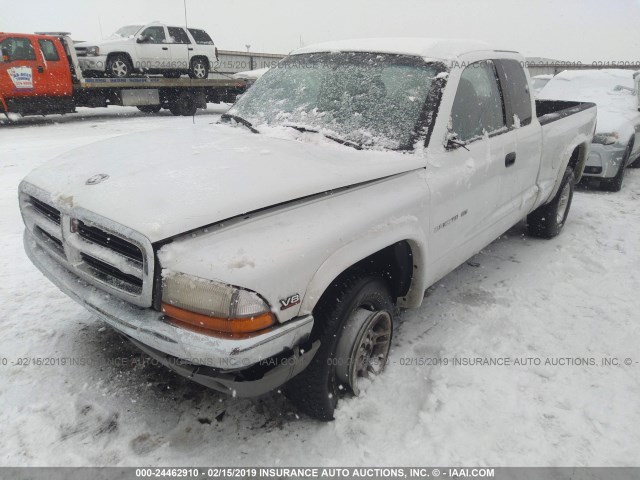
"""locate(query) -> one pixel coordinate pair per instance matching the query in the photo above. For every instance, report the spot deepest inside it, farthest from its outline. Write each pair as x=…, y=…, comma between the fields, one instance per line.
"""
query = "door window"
x=154, y=35
x=178, y=35
x=478, y=106
x=516, y=87
x=49, y=51
x=17, y=49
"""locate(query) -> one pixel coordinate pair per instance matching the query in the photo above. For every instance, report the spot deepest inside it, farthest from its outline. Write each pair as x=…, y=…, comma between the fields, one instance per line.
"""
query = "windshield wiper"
x=339, y=140
x=240, y=120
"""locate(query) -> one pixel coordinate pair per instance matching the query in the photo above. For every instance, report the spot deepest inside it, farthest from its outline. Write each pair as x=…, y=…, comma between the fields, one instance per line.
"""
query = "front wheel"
x=547, y=221
x=354, y=323
x=119, y=66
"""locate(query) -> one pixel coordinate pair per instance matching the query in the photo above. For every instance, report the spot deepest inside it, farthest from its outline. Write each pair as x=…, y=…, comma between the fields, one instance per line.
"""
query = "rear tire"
x=547, y=221
x=350, y=338
x=615, y=184
x=184, y=104
x=119, y=66
x=199, y=68
x=149, y=108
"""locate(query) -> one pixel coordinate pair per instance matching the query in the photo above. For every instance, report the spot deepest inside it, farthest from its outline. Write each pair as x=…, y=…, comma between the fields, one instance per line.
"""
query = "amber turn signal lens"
x=228, y=325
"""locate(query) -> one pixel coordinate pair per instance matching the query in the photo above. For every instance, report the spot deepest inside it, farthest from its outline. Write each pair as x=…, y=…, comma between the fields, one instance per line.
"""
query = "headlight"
x=95, y=51
x=605, y=138
x=213, y=305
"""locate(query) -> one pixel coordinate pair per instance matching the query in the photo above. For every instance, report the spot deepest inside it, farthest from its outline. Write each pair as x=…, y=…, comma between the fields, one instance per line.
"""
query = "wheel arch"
x=575, y=157
x=202, y=57
x=110, y=55
x=399, y=262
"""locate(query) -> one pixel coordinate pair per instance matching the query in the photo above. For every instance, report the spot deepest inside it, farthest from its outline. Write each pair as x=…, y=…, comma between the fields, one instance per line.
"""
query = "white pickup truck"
x=275, y=247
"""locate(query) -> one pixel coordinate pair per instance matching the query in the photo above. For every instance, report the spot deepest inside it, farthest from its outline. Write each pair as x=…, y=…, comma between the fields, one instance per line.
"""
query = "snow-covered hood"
x=110, y=42
x=166, y=182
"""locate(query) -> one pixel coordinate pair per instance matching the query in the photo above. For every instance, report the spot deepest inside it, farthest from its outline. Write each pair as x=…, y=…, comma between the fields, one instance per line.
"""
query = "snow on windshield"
x=370, y=99
x=128, y=31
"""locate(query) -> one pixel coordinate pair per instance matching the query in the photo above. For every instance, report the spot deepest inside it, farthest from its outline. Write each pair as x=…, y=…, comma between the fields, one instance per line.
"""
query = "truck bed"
x=551, y=110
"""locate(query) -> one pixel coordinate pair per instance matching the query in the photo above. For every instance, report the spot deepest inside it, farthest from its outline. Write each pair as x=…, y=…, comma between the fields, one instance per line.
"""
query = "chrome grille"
x=48, y=211
x=107, y=255
x=117, y=244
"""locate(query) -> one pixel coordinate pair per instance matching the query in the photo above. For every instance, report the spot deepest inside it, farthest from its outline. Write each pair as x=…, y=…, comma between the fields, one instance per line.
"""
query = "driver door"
x=152, y=49
x=21, y=68
x=465, y=180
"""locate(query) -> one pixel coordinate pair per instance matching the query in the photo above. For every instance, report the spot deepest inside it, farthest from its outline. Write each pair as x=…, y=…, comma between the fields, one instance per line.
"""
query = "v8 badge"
x=290, y=301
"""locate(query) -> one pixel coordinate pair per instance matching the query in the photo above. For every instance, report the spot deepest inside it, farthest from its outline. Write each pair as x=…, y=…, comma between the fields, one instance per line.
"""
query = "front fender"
x=296, y=250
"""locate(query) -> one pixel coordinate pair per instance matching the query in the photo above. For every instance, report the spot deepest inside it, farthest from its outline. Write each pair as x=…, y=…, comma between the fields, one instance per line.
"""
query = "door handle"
x=165, y=48
x=40, y=69
x=190, y=48
x=510, y=159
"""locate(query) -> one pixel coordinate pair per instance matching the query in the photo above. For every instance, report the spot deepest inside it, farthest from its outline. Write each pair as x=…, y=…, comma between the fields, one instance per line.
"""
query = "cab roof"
x=438, y=48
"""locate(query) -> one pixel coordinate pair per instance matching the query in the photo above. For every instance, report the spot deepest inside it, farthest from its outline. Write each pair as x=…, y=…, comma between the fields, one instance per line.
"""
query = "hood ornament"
x=96, y=179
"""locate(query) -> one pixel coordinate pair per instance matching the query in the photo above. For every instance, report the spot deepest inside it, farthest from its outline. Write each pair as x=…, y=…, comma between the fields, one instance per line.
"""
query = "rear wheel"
x=119, y=66
x=199, y=68
x=149, y=108
x=184, y=104
x=615, y=184
x=354, y=323
x=547, y=221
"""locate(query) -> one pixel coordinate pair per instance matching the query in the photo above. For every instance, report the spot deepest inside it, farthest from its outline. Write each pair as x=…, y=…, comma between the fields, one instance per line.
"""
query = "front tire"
x=119, y=66
x=199, y=68
x=547, y=220
x=354, y=323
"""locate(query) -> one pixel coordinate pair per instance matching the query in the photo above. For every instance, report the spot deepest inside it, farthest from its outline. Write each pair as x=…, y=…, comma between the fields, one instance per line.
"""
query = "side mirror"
x=142, y=39
x=454, y=142
x=5, y=55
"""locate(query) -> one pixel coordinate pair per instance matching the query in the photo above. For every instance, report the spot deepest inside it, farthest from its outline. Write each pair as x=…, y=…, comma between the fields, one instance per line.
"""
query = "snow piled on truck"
x=616, y=106
x=573, y=297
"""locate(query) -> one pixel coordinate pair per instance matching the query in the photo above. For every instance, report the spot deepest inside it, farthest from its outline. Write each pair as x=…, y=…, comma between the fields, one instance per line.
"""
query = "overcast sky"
x=575, y=30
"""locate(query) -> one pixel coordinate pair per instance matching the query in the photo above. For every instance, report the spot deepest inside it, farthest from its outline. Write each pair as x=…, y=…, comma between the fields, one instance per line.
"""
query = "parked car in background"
x=251, y=75
x=538, y=83
x=616, y=144
x=152, y=48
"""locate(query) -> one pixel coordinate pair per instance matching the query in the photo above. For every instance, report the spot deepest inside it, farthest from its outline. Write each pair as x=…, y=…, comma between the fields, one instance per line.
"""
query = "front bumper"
x=604, y=160
x=212, y=361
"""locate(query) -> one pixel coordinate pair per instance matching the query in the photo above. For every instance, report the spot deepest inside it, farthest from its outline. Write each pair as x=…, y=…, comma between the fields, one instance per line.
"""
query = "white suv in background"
x=152, y=48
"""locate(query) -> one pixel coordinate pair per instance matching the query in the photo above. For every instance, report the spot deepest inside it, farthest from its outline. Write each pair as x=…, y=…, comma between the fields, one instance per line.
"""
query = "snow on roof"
x=421, y=47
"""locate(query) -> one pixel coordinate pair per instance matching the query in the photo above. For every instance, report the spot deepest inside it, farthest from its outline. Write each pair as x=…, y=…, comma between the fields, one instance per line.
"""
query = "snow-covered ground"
x=576, y=296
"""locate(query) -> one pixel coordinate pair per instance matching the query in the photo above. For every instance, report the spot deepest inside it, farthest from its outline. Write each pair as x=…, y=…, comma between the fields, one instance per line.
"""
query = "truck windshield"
x=127, y=32
x=368, y=99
